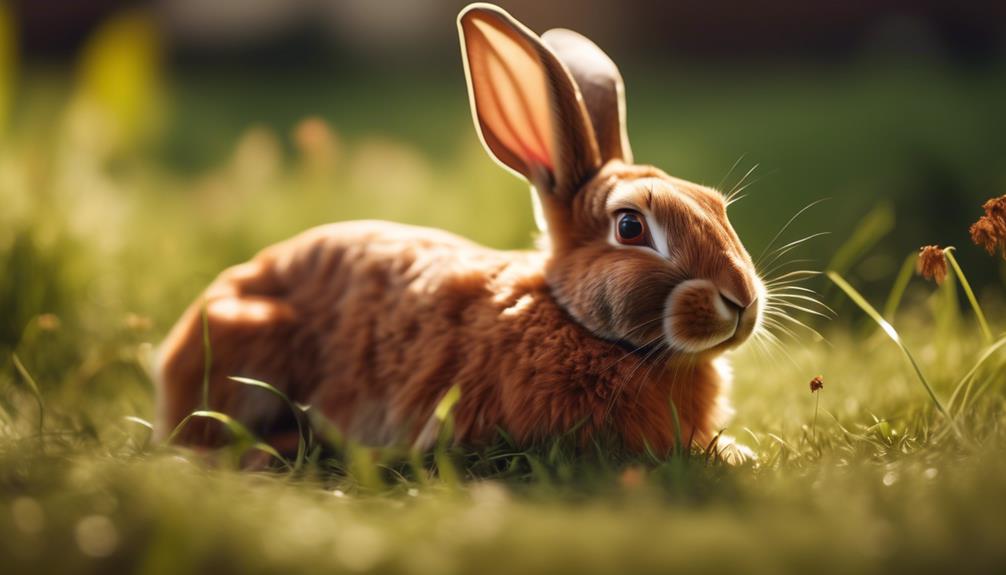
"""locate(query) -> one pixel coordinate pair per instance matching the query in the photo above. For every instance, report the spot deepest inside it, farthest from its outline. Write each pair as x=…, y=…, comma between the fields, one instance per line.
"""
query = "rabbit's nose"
x=746, y=310
x=747, y=315
x=735, y=303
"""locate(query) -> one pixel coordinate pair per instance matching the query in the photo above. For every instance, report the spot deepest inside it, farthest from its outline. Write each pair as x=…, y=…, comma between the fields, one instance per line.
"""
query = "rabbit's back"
x=351, y=315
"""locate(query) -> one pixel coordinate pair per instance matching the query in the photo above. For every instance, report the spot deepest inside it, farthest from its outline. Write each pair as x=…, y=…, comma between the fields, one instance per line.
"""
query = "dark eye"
x=630, y=229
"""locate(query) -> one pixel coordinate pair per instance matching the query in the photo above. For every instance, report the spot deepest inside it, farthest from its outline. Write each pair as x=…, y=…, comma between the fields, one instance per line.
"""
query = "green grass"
x=101, y=250
x=879, y=485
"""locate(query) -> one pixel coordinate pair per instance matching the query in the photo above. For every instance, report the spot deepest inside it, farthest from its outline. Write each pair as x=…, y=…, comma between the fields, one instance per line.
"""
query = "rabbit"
x=615, y=325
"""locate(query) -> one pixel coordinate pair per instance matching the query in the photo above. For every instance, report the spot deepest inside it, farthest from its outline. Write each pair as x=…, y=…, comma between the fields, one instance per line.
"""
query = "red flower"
x=817, y=384
x=932, y=264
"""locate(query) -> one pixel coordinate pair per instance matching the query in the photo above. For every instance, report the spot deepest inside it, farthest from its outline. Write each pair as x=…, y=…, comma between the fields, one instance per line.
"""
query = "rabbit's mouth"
x=699, y=317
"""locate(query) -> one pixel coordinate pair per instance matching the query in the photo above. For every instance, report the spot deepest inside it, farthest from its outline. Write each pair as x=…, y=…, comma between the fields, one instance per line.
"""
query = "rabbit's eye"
x=630, y=229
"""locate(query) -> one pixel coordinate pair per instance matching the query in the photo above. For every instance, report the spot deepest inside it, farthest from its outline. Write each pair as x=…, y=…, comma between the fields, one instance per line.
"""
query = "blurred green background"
x=145, y=145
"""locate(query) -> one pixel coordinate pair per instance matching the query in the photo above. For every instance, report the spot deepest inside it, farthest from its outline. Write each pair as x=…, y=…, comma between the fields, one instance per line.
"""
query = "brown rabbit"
x=639, y=286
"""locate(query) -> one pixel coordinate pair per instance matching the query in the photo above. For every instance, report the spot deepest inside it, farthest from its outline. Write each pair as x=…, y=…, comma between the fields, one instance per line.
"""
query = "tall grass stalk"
x=817, y=406
x=986, y=332
x=900, y=284
x=207, y=356
x=35, y=391
x=967, y=382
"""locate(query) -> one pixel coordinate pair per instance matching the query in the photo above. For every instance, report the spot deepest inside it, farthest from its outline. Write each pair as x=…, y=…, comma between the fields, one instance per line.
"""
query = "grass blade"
x=139, y=421
x=900, y=284
x=297, y=413
x=678, y=444
x=33, y=386
x=446, y=403
x=244, y=437
x=207, y=356
x=441, y=454
x=888, y=329
x=986, y=332
x=143, y=423
x=875, y=225
x=967, y=381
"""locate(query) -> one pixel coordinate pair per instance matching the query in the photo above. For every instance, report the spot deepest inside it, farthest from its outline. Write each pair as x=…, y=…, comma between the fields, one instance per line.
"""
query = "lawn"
x=106, y=234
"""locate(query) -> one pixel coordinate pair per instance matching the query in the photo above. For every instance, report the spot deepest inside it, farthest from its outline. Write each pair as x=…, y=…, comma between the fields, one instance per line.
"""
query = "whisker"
x=738, y=191
x=771, y=322
x=648, y=322
x=790, y=306
x=781, y=266
x=784, y=298
x=788, y=224
x=789, y=288
x=735, y=199
x=621, y=385
x=768, y=352
x=774, y=340
x=734, y=191
x=793, y=274
x=628, y=333
x=761, y=338
x=658, y=360
x=788, y=284
x=783, y=250
x=730, y=171
x=797, y=322
x=627, y=354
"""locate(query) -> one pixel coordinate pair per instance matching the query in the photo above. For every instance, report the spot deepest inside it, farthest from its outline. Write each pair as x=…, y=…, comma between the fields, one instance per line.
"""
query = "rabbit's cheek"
x=696, y=318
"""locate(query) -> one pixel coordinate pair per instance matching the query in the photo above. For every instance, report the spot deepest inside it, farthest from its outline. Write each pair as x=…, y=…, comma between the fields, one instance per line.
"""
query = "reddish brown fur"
x=403, y=313
x=371, y=323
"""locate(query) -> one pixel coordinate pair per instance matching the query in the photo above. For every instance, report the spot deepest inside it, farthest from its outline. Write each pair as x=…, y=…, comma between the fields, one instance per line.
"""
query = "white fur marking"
x=539, y=212
x=520, y=305
x=659, y=235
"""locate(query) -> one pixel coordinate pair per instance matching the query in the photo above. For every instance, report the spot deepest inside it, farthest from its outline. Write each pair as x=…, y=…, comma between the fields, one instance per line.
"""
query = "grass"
x=877, y=486
x=100, y=250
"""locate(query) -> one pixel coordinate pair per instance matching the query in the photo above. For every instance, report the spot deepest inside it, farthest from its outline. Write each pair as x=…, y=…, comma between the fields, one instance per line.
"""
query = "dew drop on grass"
x=28, y=515
x=338, y=493
x=890, y=478
x=97, y=536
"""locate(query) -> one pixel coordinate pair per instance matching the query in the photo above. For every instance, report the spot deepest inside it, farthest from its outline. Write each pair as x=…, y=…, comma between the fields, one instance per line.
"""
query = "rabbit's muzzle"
x=699, y=316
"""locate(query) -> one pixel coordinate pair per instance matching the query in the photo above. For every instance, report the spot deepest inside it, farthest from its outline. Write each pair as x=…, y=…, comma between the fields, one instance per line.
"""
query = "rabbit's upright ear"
x=527, y=108
x=602, y=88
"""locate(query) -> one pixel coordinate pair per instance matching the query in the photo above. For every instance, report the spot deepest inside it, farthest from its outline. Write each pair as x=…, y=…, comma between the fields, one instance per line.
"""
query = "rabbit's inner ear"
x=601, y=85
x=526, y=106
x=511, y=99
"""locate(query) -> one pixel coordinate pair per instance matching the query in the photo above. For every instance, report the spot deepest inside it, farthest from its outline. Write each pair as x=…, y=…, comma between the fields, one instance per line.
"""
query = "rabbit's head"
x=635, y=255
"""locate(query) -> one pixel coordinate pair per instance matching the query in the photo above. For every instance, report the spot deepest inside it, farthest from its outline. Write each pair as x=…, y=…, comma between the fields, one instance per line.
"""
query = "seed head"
x=817, y=384
x=989, y=231
x=932, y=264
x=996, y=208
x=984, y=234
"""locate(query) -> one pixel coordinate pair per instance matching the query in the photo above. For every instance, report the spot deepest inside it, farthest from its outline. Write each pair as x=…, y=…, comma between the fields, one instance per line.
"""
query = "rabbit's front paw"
x=732, y=452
